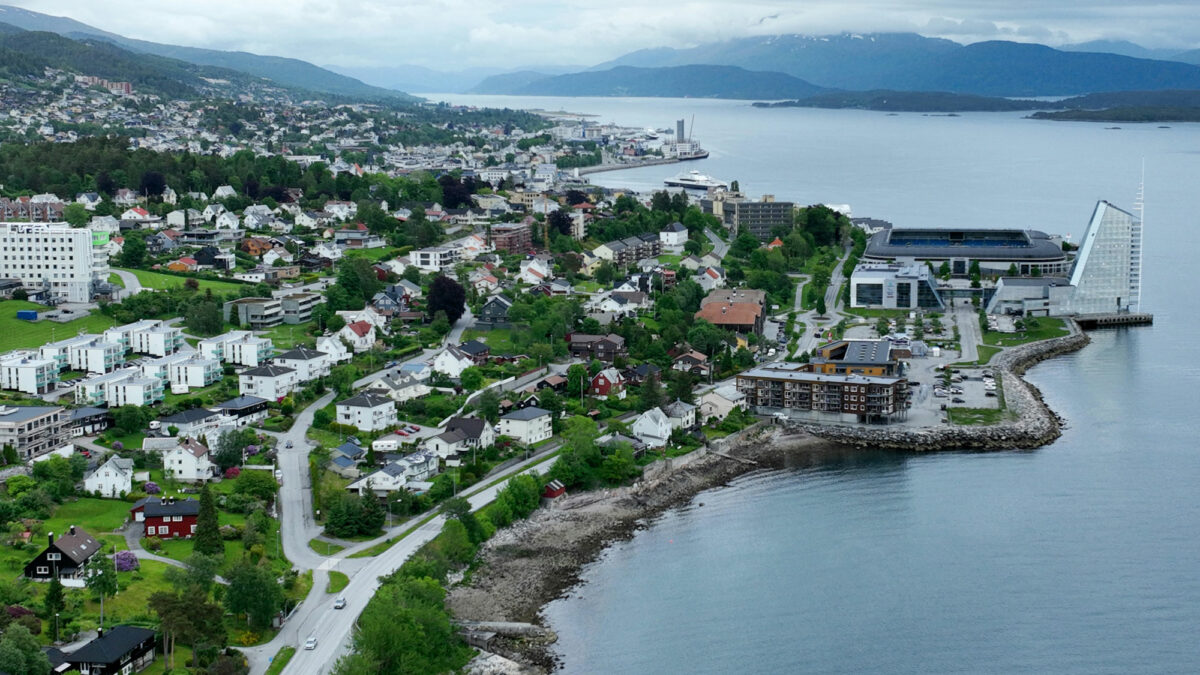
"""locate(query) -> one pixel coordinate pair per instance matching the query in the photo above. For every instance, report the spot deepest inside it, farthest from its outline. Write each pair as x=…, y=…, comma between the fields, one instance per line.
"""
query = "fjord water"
x=1080, y=557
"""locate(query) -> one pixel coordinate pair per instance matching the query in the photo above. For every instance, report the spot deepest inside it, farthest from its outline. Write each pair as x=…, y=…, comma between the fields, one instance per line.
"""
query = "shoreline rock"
x=535, y=561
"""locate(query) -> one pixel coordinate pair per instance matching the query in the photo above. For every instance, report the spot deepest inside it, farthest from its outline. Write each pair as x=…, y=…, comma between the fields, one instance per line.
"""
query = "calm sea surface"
x=1080, y=557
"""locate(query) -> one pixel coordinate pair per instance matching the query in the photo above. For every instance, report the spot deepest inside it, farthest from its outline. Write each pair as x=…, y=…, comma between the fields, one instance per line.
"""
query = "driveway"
x=129, y=280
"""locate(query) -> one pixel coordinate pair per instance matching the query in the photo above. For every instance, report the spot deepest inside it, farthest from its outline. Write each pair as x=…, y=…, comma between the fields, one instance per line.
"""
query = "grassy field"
x=337, y=581
x=115, y=280
x=499, y=339
x=1046, y=329
x=158, y=281
x=286, y=336
x=669, y=259
x=20, y=333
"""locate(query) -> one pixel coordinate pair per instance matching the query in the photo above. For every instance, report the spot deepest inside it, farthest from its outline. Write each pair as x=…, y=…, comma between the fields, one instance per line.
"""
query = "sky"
x=457, y=34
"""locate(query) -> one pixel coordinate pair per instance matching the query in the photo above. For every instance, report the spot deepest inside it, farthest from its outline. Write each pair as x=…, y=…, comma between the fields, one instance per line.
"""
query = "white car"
x=340, y=603
x=310, y=643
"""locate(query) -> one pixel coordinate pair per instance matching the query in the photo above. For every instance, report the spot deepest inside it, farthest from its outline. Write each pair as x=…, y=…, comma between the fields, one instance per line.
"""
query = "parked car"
x=402, y=433
x=288, y=444
x=956, y=399
x=310, y=643
x=989, y=393
x=340, y=603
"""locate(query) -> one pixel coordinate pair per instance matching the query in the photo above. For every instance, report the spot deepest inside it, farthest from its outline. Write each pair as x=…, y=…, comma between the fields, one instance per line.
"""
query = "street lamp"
x=56, y=626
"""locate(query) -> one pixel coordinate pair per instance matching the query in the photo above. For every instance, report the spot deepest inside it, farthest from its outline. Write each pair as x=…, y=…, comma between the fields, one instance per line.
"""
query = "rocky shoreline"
x=533, y=562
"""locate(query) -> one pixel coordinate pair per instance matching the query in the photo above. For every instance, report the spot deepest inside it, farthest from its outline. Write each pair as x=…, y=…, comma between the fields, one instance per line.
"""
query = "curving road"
x=315, y=616
x=130, y=281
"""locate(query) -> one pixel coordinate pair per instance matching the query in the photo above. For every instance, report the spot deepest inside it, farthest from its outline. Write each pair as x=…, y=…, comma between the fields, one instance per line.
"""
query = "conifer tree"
x=208, y=529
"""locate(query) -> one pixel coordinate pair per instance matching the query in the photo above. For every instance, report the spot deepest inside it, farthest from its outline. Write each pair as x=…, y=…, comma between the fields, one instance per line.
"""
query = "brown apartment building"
x=796, y=390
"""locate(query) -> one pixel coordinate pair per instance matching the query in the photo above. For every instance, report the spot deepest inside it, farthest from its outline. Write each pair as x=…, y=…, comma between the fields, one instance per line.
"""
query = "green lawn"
x=589, y=287
x=976, y=416
x=1046, y=329
x=324, y=547
x=499, y=339
x=986, y=352
x=204, y=392
x=280, y=660
x=159, y=281
x=372, y=254
x=20, y=333
x=183, y=658
x=877, y=313
x=115, y=280
x=131, y=603
x=95, y=516
x=286, y=336
x=669, y=259
x=337, y=581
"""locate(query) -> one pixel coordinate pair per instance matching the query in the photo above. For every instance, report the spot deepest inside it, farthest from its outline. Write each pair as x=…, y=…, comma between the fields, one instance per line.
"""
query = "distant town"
x=240, y=355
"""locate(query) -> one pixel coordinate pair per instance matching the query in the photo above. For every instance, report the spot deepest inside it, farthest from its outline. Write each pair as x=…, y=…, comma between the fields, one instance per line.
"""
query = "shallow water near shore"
x=1079, y=557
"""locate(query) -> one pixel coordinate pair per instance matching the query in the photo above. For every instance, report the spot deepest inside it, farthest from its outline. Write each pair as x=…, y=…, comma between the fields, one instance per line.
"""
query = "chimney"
x=72, y=530
x=99, y=633
x=50, y=536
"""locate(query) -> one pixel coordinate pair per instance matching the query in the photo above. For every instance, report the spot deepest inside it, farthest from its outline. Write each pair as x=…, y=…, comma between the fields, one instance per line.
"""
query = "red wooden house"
x=607, y=382
x=166, y=518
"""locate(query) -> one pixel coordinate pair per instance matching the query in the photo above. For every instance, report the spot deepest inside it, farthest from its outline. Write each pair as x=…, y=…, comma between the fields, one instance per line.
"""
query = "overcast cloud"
x=454, y=34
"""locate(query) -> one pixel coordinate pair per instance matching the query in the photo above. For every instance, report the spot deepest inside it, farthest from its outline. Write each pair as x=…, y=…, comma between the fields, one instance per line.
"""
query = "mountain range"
x=900, y=61
x=283, y=71
x=700, y=81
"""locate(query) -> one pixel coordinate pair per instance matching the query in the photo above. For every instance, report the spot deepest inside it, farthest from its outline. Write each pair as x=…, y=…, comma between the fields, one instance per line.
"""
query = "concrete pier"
x=1091, y=321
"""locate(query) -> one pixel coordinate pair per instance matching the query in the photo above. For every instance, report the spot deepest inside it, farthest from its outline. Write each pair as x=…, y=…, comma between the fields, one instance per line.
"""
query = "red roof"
x=775, y=244
x=360, y=328
x=140, y=211
x=188, y=261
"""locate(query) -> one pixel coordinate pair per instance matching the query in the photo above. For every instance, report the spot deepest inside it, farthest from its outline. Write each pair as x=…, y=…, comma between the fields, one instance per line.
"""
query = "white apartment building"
x=239, y=347
x=148, y=336
x=123, y=387
x=434, y=259
x=59, y=257
x=26, y=372
x=309, y=364
x=527, y=426
x=96, y=355
x=269, y=382
x=368, y=411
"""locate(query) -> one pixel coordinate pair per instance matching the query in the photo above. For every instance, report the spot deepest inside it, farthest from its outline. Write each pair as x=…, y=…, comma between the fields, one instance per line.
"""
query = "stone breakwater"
x=1033, y=424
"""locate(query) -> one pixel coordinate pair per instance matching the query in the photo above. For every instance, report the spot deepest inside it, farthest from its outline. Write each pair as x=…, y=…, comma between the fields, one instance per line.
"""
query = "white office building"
x=60, y=258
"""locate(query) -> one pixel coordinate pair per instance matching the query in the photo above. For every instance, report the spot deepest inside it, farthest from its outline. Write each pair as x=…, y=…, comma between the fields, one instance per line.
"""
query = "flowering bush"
x=252, y=450
x=232, y=472
x=125, y=561
x=151, y=488
x=118, y=445
x=17, y=611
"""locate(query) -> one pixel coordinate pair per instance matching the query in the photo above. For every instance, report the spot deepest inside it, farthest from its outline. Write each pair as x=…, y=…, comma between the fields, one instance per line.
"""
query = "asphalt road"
x=720, y=247
x=332, y=628
x=130, y=280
